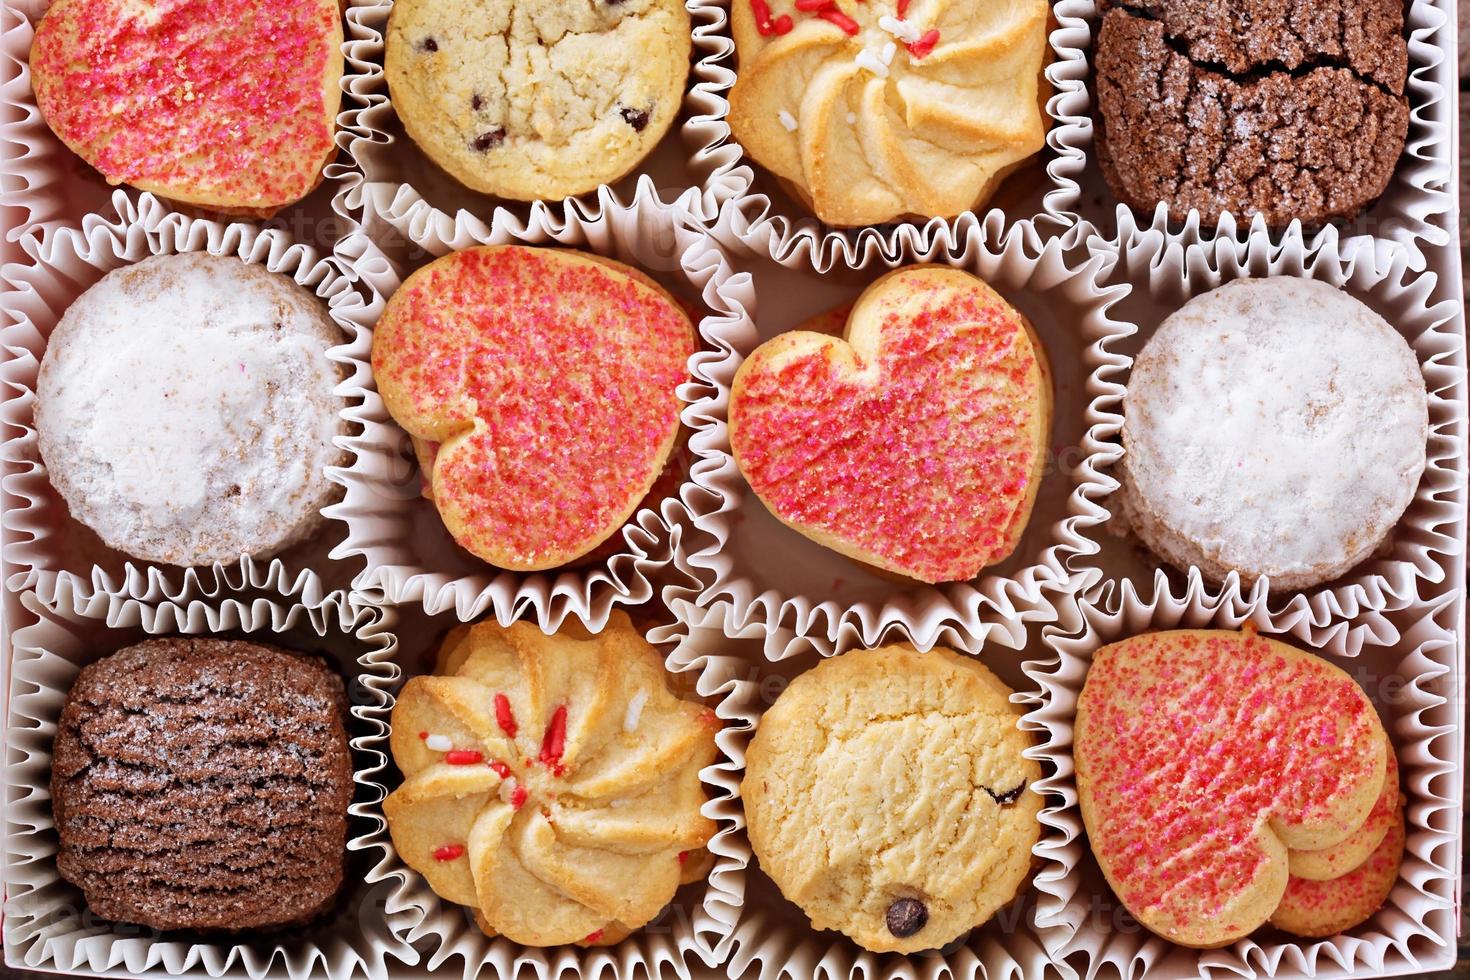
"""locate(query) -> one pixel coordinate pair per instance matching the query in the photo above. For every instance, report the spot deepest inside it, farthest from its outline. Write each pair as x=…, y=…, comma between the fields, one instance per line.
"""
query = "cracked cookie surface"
x=530, y=99
x=887, y=796
x=1295, y=112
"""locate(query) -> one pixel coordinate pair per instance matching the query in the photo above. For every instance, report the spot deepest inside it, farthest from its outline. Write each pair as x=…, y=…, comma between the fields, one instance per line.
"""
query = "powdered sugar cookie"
x=1272, y=427
x=187, y=411
x=1334, y=862
x=228, y=106
x=1202, y=758
x=1325, y=908
x=914, y=443
x=542, y=386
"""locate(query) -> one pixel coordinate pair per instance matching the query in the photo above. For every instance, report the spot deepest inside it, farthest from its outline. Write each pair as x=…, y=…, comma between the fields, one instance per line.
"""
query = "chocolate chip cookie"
x=887, y=795
x=1291, y=111
x=203, y=784
x=530, y=99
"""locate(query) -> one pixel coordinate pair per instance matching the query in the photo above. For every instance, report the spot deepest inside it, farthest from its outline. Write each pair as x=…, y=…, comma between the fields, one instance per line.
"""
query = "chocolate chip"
x=906, y=916
x=636, y=118
x=488, y=140
x=477, y=103
x=429, y=44
x=1009, y=796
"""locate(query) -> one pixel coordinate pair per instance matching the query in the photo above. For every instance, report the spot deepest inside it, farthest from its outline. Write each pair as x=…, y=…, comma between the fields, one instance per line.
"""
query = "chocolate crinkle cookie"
x=204, y=784
x=1292, y=110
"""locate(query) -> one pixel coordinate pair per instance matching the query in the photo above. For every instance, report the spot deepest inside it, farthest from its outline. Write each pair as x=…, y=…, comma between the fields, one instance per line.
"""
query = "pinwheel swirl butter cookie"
x=1204, y=758
x=878, y=110
x=532, y=99
x=551, y=782
x=915, y=442
x=888, y=795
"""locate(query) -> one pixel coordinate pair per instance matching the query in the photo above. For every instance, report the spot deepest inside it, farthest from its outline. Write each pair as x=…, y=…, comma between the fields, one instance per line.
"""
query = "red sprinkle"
x=449, y=852
x=683, y=856
x=835, y=16
x=903, y=9
x=464, y=757
x=593, y=937
x=501, y=769
x=504, y=717
x=925, y=44
x=811, y=6
x=782, y=25
x=763, y=23
x=554, y=743
x=518, y=797
x=423, y=736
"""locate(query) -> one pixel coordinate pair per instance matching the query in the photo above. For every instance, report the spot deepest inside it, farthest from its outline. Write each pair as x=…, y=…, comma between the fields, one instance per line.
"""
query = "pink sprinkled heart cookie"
x=548, y=380
x=1203, y=757
x=228, y=106
x=1325, y=908
x=915, y=442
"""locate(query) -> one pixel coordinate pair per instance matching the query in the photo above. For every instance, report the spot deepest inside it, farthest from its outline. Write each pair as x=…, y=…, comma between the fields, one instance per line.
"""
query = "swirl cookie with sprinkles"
x=1274, y=428
x=551, y=783
x=230, y=107
x=914, y=443
x=875, y=110
x=888, y=795
x=529, y=99
x=1203, y=758
x=549, y=381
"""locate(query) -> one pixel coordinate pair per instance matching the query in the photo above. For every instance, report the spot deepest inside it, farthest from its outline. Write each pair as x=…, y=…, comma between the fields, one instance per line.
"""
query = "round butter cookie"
x=204, y=784
x=887, y=795
x=231, y=107
x=529, y=99
x=1324, y=908
x=876, y=110
x=916, y=441
x=1203, y=757
x=186, y=410
x=1275, y=428
x=551, y=783
x=542, y=388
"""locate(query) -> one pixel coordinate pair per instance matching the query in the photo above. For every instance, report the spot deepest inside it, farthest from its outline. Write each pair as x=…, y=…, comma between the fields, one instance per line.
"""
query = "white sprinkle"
x=852, y=118
x=889, y=50
x=438, y=743
x=787, y=120
x=620, y=803
x=901, y=29
x=866, y=60
x=635, y=711
x=507, y=789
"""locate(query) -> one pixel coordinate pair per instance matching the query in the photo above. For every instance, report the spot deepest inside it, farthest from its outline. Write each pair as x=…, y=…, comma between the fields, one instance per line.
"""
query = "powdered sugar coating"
x=186, y=409
x=227, y=105
x=1202, y=756
x=1274, y=427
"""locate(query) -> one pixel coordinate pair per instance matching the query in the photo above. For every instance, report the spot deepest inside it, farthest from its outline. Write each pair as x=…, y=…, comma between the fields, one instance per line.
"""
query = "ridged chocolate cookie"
x=1293, y=110
x=203, y=784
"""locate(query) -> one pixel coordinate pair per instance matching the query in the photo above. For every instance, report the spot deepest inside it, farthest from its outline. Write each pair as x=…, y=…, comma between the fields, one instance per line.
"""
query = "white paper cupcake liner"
x=45, y=549
x=47, y=925
x=1427, y=551
x=1412, y=215
x=693, y=165
x=758, y=571
x=675, y=944
x=767, y=936
x=50, y=187
x=410, y=557
x=1417, y=686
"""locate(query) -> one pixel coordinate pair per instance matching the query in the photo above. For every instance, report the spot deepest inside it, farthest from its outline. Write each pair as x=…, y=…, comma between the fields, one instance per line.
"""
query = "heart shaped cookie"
x=916, y=442
x=228, y=106
x=1203, y=757
x=548, y=380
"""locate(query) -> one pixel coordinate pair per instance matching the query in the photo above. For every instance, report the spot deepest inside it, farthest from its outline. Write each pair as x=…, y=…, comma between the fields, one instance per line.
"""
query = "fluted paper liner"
x=45, y=549
x=412, y=559
x=50, y=187
x=767, y=936
x=677, y=941
x=694, y=165
x=1409, y=218
x=1426, y=548
x=1416, y=684
x=758, y=571
x=47, y=925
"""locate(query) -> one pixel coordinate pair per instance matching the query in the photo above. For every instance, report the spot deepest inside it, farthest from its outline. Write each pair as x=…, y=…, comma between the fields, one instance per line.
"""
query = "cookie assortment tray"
x=737, y=601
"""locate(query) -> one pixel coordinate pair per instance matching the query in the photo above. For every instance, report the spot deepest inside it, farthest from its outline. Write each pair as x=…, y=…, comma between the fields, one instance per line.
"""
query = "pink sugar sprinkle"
x=924, y=468
x=227, y=99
